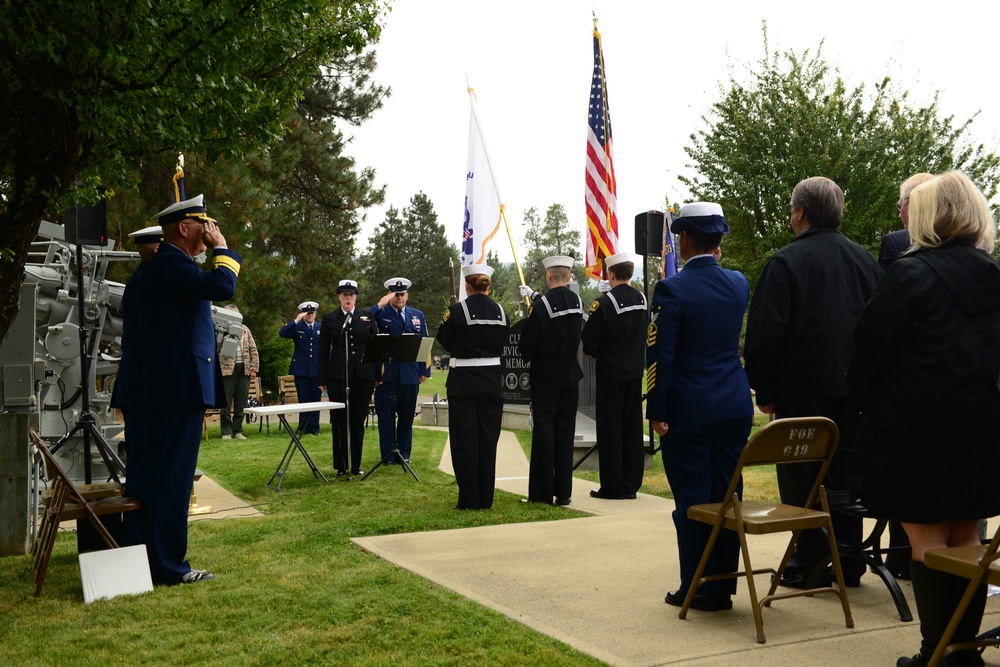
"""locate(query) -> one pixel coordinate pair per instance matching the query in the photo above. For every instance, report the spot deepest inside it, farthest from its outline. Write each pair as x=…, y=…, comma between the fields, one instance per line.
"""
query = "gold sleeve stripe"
x=651, y=377
x=227, y=262
x=651, y=334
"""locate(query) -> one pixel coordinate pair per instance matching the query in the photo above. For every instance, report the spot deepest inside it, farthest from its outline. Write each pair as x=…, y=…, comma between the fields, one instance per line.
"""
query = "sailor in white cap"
x=394, y=316
x=549, y=340
x=179, y=376
x=474, y=331
x=304, y=332
x=615, y=334
x=341, y=373
x=698, y=399
x=123, y=395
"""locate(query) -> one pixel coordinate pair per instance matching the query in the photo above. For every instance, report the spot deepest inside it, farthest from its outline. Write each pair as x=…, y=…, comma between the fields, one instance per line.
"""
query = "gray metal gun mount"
x=40, y=361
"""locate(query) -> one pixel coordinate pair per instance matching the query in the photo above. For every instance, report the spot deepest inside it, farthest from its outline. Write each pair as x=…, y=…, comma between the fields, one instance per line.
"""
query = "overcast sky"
x=530, y=64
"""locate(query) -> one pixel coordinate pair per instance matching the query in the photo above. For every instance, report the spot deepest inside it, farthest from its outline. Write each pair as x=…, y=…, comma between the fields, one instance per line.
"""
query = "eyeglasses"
x=899, y=205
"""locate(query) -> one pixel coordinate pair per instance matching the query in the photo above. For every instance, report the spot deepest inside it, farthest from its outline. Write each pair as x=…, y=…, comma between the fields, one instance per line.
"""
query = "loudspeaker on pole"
x=88, y=225
x=649, y=233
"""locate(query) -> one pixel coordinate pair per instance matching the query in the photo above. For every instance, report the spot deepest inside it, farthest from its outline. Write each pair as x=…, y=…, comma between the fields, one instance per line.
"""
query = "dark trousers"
x=237, y=388
x=170, y=441
x=473, y=430
x=550, y=470
x=795, y=481
x=699, y=462
x=354, y=415
x=132, y=521
x=406, y=407
x=309, y=392
x=619, y=436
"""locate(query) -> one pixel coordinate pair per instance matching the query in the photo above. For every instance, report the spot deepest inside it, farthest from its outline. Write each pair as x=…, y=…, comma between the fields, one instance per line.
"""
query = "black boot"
x=937, y=594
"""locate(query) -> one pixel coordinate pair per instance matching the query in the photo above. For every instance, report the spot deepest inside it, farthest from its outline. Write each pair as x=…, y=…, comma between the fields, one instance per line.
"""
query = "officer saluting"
x=549, y=340
x=304, y=331
x=616, y=335
x=474, y=331
x=179, y=376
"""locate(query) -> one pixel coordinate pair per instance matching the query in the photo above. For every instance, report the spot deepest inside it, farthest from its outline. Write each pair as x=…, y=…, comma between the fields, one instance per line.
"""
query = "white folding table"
x=281, y=411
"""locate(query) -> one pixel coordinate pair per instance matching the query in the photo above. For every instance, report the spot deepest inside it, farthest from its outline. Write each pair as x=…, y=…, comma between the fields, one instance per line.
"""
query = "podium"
x=387, y=348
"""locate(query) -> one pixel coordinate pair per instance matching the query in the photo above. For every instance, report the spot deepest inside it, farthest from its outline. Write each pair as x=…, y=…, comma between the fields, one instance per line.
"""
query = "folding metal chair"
x=794, y=441
x=979, y=565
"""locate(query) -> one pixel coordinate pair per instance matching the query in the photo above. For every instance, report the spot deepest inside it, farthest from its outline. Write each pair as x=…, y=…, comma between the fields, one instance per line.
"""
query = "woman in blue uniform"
x=474, y=331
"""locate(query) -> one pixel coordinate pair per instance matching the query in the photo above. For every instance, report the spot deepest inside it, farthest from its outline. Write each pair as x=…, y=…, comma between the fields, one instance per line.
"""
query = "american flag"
x=602, y=205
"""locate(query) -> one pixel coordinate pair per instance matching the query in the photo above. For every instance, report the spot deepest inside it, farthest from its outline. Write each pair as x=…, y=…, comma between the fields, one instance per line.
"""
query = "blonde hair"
x=913, y=181
x=950, y=207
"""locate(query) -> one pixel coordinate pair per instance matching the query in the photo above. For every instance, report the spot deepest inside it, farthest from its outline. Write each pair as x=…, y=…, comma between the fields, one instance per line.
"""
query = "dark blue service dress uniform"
x=304, y=364
x=342, y=345
x=550, y=340
x=474, y=331
x=696, y=384
x=179, y=376
x=404, y=376
x=123, y=397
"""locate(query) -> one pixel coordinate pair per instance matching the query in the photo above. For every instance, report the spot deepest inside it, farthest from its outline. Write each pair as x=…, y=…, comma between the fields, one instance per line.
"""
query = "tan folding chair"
x=798, y=440
x=68, y=503
x=979, y=565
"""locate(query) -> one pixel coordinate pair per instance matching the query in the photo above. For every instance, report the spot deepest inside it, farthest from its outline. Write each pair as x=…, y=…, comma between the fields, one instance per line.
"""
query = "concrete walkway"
x=597, y=584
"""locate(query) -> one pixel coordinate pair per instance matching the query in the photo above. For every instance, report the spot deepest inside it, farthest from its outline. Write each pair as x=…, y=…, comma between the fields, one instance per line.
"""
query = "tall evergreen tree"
x=412, y=244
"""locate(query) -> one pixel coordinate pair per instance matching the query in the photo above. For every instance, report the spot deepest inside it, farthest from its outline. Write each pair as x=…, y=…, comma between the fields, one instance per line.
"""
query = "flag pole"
x=503, y=209
x=604, y=111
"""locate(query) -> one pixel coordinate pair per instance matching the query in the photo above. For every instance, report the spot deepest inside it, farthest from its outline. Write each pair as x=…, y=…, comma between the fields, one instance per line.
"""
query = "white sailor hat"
x=705, y=217
x=558, y=260
x=397, y=285
x=308, y=307
x=621, y=257
x=182, y=210
x=152, y=234
x=477, y=270
x=347, y=287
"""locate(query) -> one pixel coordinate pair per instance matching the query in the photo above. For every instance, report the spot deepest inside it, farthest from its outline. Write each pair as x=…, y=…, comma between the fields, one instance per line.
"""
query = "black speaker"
x=88, y=225
x=649, y=233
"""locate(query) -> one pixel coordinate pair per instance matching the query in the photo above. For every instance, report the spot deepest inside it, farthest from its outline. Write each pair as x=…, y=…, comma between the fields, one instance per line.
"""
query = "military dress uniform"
x=305, y=360
x=615, y=334
x=400, y=381
x=179, y=376
x=337, y=366
x=474, y=331
x=550, y=341
x=123, y=395
x=697, y=386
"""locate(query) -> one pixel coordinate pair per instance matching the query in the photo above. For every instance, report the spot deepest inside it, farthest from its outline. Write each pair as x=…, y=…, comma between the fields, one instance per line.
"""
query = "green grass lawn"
x=291, y=588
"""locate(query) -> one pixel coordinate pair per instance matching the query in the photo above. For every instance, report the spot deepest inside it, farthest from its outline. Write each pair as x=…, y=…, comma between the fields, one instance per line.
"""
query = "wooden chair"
x=263, y=399
x=287, y=393
x=792, y=441
x=66, y=504
x=979, y=565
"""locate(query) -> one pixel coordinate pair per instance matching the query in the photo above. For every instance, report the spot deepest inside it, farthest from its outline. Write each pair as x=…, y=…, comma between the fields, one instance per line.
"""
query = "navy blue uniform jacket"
x=693, y=374
x=306, y=355
x=180, y=368
x=413, y=323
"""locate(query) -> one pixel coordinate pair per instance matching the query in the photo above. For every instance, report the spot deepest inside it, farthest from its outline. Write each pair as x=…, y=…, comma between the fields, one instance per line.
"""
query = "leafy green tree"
x=795, y=117
x=504, y=287
x=411, y=244
x=91, y=88
x=548, y=237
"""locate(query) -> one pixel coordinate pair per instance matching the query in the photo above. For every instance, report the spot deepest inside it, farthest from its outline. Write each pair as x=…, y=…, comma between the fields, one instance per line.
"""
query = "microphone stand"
x=344, y=334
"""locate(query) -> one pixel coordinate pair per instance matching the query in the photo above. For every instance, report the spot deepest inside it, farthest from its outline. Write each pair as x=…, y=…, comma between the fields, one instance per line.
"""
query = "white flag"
x=483, y=205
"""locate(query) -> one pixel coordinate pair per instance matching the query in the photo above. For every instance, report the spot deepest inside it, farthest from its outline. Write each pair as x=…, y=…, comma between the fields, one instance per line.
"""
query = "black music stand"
x=386, y=348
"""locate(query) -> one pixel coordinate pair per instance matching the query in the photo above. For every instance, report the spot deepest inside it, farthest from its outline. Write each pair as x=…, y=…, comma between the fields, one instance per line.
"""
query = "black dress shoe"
x=341, y=473
x=799, y=579
x=700, y=602
x=563, y=501
x=597, y=493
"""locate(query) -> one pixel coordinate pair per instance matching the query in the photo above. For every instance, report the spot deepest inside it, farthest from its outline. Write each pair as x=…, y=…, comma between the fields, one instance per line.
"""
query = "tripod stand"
x=86, y=422
x=386, y=348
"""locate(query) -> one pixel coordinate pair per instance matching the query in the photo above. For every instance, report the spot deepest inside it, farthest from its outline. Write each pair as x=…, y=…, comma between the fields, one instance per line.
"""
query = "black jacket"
x=615, y=333
x=924, y=373
x=550, y=339
x=800, y=326
x=331, y=346
x=475, y=327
